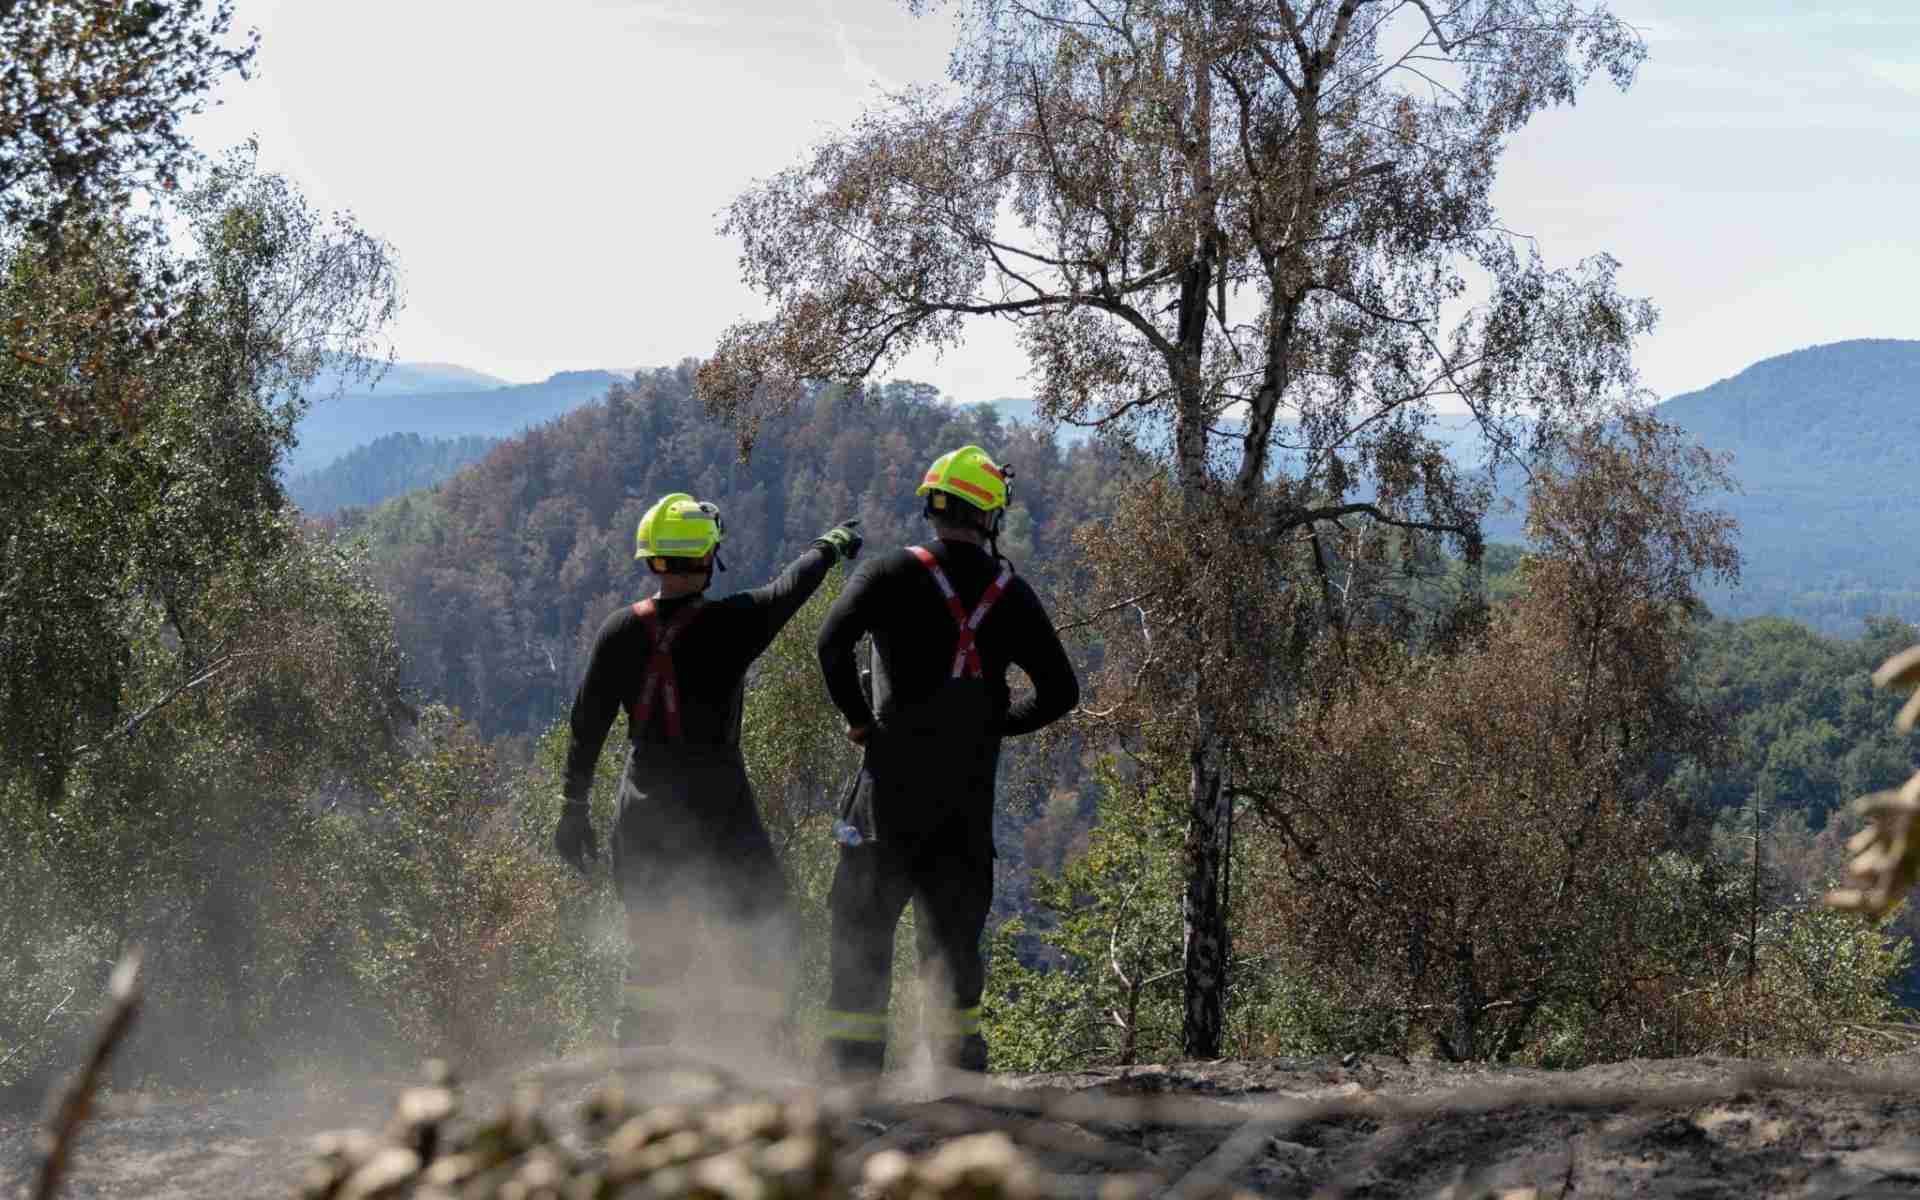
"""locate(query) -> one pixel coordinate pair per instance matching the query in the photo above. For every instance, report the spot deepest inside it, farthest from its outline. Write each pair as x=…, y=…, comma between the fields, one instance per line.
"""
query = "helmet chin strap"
x=1000, y=515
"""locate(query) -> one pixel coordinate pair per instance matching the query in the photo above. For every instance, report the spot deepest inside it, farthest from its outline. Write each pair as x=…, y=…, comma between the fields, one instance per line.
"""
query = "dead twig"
x=1573, y=1168
x=65, y=1118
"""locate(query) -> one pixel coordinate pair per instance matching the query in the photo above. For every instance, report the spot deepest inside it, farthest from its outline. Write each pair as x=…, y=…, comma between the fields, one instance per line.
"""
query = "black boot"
x=855, y=1062
x=967, y=1053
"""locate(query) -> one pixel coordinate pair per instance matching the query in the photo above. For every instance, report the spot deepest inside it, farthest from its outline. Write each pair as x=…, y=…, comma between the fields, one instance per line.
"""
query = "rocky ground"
x=1307, y=1128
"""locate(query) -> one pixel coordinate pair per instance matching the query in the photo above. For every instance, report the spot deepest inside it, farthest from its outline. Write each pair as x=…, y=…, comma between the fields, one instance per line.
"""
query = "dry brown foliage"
x=1467, y=836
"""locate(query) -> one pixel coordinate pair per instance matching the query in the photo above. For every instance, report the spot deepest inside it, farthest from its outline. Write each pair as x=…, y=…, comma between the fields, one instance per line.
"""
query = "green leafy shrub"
x=477, y=943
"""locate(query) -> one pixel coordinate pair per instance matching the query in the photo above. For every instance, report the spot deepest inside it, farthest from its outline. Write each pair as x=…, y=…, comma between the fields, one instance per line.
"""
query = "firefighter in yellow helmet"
x=948, y=620
x=688, y=844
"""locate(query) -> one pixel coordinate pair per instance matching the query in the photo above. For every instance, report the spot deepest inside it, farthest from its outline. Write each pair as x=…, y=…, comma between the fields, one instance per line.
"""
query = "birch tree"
x=1258, y=238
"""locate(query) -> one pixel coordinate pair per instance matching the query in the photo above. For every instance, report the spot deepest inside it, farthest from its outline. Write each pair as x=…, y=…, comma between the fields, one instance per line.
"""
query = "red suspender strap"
x=660, y=679
x=966, y=656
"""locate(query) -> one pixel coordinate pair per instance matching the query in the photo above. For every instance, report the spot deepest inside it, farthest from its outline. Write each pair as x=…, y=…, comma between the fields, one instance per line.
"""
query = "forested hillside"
x=1822, y=449
x=1814, y=436
x=1809, y=731
x=501, y=576
x=385, y=467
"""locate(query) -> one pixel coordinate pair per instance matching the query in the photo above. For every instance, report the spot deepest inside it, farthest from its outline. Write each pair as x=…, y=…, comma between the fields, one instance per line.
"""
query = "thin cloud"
x=1902, y=75
x=857, y=66
x=666, y=12
x=1659, y=32
x=1890, y=17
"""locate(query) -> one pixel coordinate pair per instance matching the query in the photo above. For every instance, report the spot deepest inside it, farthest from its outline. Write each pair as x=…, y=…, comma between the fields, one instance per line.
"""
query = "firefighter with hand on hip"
x=948, y=620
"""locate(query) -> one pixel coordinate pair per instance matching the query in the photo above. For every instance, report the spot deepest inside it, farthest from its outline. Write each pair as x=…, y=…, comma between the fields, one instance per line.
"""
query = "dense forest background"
x=1813, y=436
x=499, y=578
x=387, y=466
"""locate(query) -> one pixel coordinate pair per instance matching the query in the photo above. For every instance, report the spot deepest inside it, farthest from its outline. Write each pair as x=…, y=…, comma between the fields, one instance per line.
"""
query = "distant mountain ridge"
x=1797, y=418
x=1825, y=444
x=1825, y=441
x=334, y=426
x=402, y=378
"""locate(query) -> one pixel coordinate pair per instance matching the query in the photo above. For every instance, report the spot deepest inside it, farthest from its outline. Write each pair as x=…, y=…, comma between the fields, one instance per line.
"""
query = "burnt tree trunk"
x=1466, y=1002
x=1203, y=914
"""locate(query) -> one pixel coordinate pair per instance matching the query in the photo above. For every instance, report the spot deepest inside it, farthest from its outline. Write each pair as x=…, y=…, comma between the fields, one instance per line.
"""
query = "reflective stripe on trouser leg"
x=952, y=895
x=952, y=1022
x=953, y=1035
x=856, y=1026
x=760, y=1004
x=856, y=1043
x=870, y=888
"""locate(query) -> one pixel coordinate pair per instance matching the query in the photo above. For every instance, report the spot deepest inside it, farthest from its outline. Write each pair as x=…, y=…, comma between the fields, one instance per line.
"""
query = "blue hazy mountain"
x=337, y=424
x=1825, y=448
x=1822, y=444
x=1825, y=444
x=406, y=378
x=1027, y=412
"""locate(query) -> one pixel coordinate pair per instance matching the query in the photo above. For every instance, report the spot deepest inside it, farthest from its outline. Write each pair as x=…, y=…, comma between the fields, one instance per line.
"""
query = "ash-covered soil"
x=1307, y=1128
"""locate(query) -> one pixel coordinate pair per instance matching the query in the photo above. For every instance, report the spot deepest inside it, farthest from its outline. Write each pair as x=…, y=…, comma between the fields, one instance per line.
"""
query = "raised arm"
x=776, y=602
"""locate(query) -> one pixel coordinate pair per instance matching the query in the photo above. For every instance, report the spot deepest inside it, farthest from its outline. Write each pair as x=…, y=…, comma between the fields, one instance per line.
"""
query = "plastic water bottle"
x=846, y=834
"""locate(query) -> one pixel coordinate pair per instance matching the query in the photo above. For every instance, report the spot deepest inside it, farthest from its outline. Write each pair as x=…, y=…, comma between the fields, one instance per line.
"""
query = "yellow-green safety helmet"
x=678, y=526
x=970, y=474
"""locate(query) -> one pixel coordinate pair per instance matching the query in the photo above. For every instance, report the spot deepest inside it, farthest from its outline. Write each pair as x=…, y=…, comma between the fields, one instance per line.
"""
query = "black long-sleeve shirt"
x=711, y=657
x=893, y=597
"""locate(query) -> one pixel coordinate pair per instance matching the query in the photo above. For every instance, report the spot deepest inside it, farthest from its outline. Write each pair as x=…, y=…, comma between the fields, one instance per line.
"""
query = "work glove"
x=574, y=837
x=843, y=539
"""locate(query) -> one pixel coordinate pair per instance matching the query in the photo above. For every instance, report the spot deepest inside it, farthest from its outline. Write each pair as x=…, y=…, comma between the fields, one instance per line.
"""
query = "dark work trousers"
x=934, y=847
x=709, y=927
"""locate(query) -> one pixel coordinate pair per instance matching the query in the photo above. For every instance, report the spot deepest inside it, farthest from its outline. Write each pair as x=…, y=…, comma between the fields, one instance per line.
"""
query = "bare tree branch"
x=55, y=1142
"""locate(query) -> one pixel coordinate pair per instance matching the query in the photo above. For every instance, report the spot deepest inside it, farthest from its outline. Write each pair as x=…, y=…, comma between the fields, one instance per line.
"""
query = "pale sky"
x=551, y=174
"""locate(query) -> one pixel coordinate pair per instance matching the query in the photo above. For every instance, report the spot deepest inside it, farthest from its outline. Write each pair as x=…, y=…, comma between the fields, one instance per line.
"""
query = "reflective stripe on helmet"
x=678, y=526
x=969, y=474
x=979, y=493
